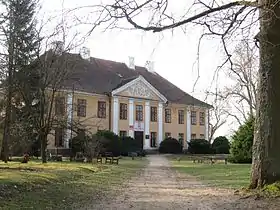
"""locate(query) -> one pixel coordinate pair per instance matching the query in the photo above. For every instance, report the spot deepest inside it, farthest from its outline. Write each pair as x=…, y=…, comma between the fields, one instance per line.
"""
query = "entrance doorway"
x=139, y=138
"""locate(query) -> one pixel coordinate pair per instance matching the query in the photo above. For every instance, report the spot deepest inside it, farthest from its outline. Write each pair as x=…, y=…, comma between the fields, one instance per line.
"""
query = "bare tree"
x=227, y=21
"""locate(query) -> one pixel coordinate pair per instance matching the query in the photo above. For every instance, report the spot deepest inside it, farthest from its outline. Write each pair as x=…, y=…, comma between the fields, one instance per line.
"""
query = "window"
x=59, y=137
x=181, y=116
x=153, y=114
x=123, y=111
x=193, y=117
x=193, y=136
x=202, y=136
x=153, y=139
x=167, y=135
x=101, y=109
x=202, y=118
x=139, y=113
x=123, y=134
x=168, y=115
x=60, y=106
x=181, y=138
x=82, y=107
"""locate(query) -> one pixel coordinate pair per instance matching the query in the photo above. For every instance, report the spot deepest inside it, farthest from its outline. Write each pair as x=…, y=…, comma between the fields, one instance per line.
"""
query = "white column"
x=160, y=123
x=131, y=117
x=206, y=125
x=69, y=110
x=189, y=124
x=147, y=125
x=116, y=115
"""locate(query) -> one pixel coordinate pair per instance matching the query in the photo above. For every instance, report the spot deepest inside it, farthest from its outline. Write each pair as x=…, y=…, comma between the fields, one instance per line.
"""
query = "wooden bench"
x=115, y=160
x=108, y=157
x=99, y=159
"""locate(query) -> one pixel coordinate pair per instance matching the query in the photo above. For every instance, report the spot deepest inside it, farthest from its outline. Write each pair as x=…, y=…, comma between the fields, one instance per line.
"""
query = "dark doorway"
x=139, y=137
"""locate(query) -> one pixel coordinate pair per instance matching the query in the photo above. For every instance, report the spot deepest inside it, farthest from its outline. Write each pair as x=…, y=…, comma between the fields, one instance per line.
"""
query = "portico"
x=140, y=95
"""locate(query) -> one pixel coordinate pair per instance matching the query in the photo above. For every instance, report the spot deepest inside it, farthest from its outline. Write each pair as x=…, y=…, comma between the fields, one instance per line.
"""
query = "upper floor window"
x=81, y=107
x=202, y=118
x=168, y=115
x=153, y=114
x=60, y=105
x=202, y=136
x=193, y=117
x=181, y=116
x=123, y=111
x=101, y=109
x=139, y=113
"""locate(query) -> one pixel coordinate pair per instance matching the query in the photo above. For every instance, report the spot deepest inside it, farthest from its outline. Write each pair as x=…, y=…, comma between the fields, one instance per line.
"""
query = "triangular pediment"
x=139, y=88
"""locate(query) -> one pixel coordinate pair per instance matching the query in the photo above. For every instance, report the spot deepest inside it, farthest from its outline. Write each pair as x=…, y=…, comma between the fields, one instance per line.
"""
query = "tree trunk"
x=43, y=139
x=266, y=155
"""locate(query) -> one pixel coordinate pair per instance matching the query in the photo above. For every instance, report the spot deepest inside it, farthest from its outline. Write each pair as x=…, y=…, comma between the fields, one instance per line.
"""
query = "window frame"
x=153, y=139
x=59, y=134
x=167, y=115
x=60, y=106
x=123, y=111
x=123, y=132
x=193, y=135
x=139, y=112
x=154, y=114
x=193, y=117
x=201, y=118
x=101, y=109
x=167, y=136
x=81, y=107
x=181, y=116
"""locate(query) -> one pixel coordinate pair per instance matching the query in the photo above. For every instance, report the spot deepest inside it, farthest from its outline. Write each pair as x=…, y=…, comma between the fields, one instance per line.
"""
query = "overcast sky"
x=174, y=52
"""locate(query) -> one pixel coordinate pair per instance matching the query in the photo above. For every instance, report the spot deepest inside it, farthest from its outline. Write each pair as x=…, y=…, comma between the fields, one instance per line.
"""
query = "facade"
x=130, y=101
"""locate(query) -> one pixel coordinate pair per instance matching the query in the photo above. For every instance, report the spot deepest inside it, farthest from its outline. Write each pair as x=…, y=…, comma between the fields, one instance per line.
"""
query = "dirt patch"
x=160, y=187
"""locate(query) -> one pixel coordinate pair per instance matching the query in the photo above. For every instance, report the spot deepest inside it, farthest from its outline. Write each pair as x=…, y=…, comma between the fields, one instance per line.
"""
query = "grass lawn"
x=60, y=185
x=219, y=175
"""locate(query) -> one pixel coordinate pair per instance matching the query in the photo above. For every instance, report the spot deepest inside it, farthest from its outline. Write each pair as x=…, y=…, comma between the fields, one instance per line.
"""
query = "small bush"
x=199, y=146
x=170, y=145
x=221, y=145
x=242, y=142
x=129, y=144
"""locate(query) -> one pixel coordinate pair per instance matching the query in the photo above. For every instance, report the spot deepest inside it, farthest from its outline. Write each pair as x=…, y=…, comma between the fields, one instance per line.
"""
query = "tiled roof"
x=103, y=76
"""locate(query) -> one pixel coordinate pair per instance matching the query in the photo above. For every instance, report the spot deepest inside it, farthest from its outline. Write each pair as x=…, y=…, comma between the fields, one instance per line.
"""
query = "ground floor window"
x=181, y=138
x=193, y=136
x=123, y=134
x=59, y=137
x=167, y=135
x=153, y=139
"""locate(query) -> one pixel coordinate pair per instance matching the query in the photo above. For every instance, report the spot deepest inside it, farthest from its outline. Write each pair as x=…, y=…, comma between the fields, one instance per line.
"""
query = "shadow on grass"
x=60, y=185
x=232, y=176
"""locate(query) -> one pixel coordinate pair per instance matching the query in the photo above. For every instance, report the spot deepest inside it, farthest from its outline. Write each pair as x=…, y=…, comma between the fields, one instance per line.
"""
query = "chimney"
x=131, y=63
x=85, y=53
x=57, y=47
x=150, y=66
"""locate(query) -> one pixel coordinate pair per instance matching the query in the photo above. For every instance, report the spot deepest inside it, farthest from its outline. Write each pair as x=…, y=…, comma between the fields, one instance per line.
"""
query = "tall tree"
x=225, y=20
x=20, y=43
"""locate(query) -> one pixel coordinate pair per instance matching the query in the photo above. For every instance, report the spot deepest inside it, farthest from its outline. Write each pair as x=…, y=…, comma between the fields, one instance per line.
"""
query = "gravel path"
x=160, y=187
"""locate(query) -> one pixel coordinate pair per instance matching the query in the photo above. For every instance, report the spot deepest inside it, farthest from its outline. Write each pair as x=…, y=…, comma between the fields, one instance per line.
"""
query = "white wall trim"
x=116, y=115
x=140, y=78
x=189, y=124
x=131, y=117
x=69, y=111
x=207, y=125
x=160, y=123
x=147, y=125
